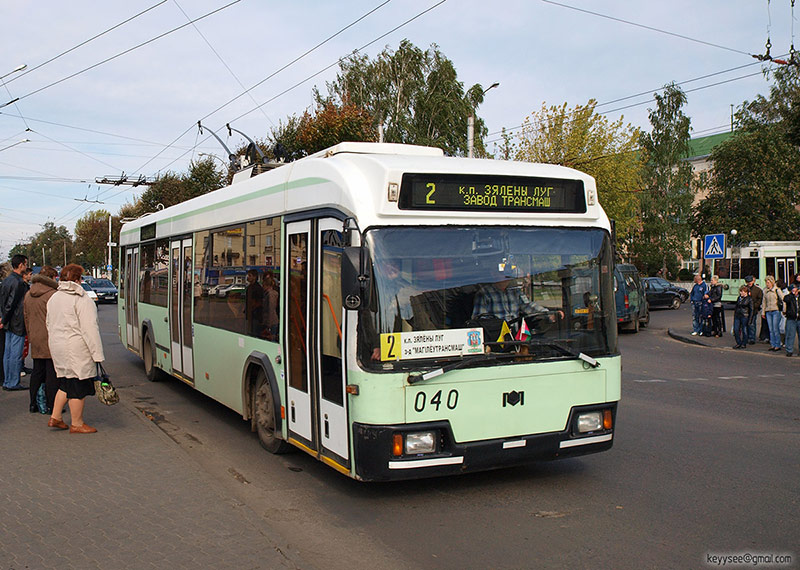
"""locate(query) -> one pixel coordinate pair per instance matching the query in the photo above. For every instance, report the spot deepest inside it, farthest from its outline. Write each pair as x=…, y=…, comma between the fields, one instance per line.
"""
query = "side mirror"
x=355, y=260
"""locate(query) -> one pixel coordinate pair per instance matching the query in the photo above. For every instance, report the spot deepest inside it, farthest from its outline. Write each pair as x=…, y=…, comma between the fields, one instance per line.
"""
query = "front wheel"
x=264, y=416
x=676, y=303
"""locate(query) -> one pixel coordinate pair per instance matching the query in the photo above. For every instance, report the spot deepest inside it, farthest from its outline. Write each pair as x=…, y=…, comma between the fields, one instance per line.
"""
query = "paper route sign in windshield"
x=431, y=344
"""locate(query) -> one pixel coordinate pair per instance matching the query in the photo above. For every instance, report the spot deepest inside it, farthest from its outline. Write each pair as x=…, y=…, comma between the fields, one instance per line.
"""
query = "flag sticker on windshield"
x=431, y=344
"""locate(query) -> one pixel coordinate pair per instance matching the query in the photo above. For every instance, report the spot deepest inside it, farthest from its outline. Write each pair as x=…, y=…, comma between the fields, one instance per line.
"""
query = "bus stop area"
x=684, y=334
x=125, y=497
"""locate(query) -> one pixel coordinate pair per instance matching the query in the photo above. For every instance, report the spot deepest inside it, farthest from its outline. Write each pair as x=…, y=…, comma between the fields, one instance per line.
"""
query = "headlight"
x=420, y=442
x=590, y=421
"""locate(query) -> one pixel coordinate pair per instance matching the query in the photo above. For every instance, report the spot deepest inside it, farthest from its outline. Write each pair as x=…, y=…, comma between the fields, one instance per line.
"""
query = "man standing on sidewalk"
x=758, y=296
x=791, y=308
x=697, y=296
x=12, y=291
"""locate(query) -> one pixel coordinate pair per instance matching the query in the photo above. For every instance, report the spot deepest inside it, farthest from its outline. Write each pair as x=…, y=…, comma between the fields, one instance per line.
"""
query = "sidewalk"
x=725, y=341
x=125, y=497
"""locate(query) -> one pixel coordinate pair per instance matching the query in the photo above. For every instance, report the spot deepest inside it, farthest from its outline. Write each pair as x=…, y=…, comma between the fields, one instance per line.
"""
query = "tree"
x=414, y=95
x=666, y=197
x=91, y=238
x=171, y=188
x=582, y=139
x=54, y=242
x=755, y=185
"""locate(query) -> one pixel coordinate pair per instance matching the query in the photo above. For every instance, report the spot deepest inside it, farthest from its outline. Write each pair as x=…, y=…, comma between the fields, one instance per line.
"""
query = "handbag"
x=103, y=387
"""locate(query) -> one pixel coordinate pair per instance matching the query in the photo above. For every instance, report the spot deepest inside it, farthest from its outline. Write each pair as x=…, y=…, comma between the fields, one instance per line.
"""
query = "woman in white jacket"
x=75, y=345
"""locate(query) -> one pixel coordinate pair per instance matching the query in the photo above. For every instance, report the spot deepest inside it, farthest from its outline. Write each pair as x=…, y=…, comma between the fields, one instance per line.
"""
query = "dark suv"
x=632, y=310
x=661, y=293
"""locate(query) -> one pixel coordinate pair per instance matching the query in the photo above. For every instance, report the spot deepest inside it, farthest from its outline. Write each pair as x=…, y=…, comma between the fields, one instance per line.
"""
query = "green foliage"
x=756, y=175
x=91, y=238
x=585, y=140
x=170, y=188
x=55, y=242
x=414, y=94
x=667, y=194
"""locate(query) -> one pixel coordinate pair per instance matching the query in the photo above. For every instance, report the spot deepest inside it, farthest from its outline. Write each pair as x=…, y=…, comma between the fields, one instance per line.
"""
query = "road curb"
x=685, y=339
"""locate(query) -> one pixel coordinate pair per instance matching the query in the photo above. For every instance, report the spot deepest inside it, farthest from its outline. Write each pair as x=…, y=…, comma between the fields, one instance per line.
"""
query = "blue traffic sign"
x=714, y=246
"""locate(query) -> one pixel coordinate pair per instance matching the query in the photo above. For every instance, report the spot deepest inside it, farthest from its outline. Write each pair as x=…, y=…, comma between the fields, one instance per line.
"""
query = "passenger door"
x=180, y=312
x=132, y=298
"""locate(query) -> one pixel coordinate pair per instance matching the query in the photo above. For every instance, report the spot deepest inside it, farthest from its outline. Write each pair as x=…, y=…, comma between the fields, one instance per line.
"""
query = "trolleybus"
x=393, y=312
x=759, y=259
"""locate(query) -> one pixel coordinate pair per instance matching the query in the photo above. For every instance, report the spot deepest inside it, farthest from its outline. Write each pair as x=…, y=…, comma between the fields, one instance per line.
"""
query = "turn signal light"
x=397, y=444
x=608, y=423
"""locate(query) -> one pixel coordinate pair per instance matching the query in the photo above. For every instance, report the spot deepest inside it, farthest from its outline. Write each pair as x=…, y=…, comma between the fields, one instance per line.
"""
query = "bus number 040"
x=420, y=401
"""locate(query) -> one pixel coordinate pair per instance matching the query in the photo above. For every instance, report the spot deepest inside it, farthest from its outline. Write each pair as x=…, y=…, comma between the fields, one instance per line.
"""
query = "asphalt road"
x=705, y=462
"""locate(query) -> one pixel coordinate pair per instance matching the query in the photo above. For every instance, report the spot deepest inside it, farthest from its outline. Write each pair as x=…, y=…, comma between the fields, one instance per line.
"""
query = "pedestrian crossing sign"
x=714, y=246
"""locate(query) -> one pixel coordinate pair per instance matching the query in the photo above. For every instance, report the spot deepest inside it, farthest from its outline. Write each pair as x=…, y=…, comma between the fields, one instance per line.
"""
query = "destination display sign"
x=431, y=344
x=490, y=193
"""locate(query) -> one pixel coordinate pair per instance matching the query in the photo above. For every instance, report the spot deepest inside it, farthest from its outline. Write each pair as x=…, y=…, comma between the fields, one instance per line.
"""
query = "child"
x=706, y=318
x=742, y=316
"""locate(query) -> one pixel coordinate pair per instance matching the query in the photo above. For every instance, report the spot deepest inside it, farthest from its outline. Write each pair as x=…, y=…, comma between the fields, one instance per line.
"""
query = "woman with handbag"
x=34, y=308
x=75, y=345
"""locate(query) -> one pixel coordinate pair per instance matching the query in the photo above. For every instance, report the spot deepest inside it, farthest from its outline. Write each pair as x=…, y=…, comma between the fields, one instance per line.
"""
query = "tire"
x=263, y=408
x=676, y=303
x=149, y=357
x=646, y=320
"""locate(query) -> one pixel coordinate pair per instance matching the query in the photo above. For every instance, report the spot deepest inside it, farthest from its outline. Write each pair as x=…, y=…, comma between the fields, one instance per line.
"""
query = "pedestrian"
x=5, y=270
x=707, y=316
x=12, y=291
x=742, y=315
x=773, y=304
x=791, y=308
x=717, y=316
x=35, y=309
x=699, y=291
x=757, y=295
x=74, y=340
x=783, y=290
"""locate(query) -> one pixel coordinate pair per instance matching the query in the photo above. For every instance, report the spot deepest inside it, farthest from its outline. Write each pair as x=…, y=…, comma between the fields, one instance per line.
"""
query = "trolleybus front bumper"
x=375, y=460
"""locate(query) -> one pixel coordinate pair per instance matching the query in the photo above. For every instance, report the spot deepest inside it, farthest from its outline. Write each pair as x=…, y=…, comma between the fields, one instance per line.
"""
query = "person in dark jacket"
x=757, y=295
x=791, y=309
x=742, y=316
x=697, y=296
x=35, y=308
x=715, y=296
x=12, y=291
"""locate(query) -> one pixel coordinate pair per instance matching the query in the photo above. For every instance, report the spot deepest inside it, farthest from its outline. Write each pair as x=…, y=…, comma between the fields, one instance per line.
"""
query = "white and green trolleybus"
x=391, y=311
x=781, y=259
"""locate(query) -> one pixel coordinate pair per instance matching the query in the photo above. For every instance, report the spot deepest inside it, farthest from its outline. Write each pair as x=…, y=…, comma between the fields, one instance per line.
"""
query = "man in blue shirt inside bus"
x=506, y=303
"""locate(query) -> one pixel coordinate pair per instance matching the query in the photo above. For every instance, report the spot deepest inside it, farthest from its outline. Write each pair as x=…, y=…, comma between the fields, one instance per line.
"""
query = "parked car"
x=682, y=293
x=662, y=294
x=89, y=291
x=632, y=309
x=105, y=289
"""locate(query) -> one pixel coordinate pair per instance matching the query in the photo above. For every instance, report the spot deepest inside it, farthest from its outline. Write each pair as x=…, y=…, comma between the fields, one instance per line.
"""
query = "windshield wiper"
x=415, y=378
x=556, y=343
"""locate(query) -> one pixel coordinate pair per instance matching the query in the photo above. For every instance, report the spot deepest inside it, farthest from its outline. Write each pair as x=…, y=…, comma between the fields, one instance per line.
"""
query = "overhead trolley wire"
x=270, y=76
x=113, y=57
x=83, y=43
x=651, y=28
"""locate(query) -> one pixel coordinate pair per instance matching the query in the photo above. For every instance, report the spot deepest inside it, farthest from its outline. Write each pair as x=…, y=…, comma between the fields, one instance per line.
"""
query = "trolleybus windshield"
x=526, y=290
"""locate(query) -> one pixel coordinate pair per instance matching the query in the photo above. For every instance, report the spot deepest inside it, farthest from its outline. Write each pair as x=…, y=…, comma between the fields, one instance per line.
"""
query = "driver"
x=507, y=303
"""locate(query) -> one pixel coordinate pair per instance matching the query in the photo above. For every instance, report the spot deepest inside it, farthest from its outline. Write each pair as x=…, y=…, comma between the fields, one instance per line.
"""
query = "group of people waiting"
x=777, y=307
x=60, y=323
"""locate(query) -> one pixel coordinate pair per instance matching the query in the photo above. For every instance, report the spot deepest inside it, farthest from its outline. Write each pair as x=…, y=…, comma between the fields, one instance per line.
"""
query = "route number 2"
x=420, y=401
x=429, y=196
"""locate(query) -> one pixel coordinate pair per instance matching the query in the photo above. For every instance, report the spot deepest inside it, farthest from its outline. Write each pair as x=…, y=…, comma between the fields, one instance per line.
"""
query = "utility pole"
x=108, y=265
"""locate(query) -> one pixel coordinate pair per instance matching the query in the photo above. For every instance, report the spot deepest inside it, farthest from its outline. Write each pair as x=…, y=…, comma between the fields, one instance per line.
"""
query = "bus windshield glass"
x=536, y=293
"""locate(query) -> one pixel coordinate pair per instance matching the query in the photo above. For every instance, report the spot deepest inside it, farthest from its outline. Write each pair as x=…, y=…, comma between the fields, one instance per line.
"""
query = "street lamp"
x=15, y=144
x=471, y=123
x=18, y=68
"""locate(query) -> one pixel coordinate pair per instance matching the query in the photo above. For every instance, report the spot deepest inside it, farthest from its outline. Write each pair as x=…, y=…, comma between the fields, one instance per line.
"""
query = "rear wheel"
x=264, y=416
x=646, y=320
x=149, y=357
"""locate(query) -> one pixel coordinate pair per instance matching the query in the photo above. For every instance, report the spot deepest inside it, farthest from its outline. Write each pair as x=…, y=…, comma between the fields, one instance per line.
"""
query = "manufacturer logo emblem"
x=513, y=398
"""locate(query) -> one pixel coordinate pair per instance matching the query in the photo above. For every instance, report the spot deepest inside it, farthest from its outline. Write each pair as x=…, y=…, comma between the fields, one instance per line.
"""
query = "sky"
x=129, y=100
